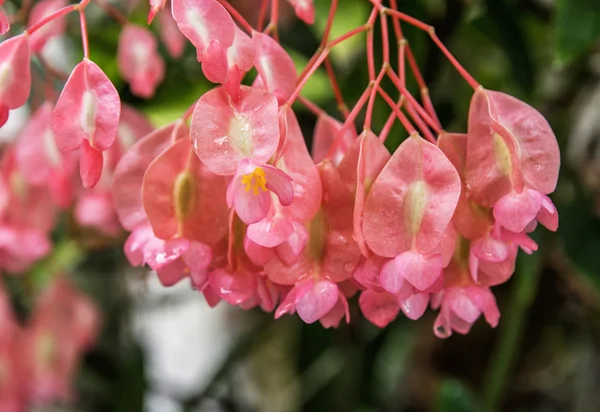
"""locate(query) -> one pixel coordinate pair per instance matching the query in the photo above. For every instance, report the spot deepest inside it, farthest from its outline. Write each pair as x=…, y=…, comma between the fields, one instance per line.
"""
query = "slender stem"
x=405, y=122
x=262, y=15
x=236, y=15
x=58, y=13
x=387, y=127
x=342, y=107
x=409, y=97
x=373, y=95
x=370, y=51
x=511, y=332
x=84, y=34
x=274, y=19
x=419, y=121
x=349, y=121
x=316, y=110
x=385, y=38
x=329, y=23
x=314, y=63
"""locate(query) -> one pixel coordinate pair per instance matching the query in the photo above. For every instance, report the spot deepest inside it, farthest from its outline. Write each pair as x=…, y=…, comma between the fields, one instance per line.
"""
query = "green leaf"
x=350, y=15
x=454, y=396
x=577, y=27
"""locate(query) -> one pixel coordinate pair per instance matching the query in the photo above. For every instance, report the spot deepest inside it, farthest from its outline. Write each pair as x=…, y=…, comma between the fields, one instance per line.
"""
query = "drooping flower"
x=138, y=60
x=86, y=117
x=407, y=212
x=305, y=10
x=15, y=74
x=53, y=28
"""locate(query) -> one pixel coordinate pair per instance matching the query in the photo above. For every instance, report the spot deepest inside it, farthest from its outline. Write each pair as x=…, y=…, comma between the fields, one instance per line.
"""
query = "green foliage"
x=577, y=28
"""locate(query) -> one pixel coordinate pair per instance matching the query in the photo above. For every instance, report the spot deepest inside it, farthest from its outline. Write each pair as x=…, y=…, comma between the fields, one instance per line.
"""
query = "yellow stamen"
x=255, y=180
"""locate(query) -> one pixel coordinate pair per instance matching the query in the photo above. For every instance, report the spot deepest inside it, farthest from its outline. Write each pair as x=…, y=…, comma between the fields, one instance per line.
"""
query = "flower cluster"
x=38, y=360
x=230, y=198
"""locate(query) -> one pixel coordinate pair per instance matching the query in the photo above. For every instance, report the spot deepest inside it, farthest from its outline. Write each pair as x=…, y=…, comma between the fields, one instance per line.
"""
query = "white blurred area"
x=184, y=340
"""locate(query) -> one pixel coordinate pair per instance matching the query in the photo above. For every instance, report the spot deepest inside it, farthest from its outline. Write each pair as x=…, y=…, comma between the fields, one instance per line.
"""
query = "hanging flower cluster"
x=229, y=198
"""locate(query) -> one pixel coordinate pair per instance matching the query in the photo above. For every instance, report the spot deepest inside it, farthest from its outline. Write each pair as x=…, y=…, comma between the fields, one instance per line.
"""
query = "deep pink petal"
x=214, y=62
x=379, y=308
x=279, y=183
x=16, y=72
x=233, y=287
x=90, y=165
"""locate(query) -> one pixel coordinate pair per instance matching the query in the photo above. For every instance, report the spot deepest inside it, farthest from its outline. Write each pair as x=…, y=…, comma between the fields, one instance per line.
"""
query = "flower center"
x=255, y=180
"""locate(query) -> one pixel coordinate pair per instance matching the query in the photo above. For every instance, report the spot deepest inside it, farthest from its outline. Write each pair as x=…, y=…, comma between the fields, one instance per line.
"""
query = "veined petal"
x=251, y=206
x=279, y=183
x=515, y=211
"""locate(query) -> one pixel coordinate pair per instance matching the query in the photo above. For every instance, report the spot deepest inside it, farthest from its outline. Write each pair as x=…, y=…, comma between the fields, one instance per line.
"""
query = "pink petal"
x=485, y=300
x=415, y=306
x=461, y=304
x=288, y=305
x=304, y=10
x=412, y=200
x=317, y=301
x=159, y=253
x=296, y=162
x=198, y=257
x=335, y=315
x=275, y=67
x=515, y=211
x=326, y=131
x=490, y=249
x=390, y=279
x=88, y=108
x=4, y=23
x=134, y=245
x=155, y=7
x=172, y=272
x=271, y=231
x=259, y=255
x=548, y=215
x=367, y=272
x=290, y=250
x=214, y=63
x=251, y=207
x=181, y=196
x=129, y=173
x=241, y=53
x=16, y=71
x=224, y=132
x=138, y=60
x=279, y=183
x=90, y=165
x=538, y=149
x=422, y=271
x=379, y=308
x=203, y=21
x=171, y=36
x=233, y=287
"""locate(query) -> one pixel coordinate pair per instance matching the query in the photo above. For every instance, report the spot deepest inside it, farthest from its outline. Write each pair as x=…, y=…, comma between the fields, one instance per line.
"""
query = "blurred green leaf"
x=577, y=27
x=350, y=15
x=454, y=396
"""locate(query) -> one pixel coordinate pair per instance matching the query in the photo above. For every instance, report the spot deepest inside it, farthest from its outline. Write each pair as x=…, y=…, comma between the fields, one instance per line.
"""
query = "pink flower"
x=139, y=61
x=86, y=117
x=304, y=10
x=53, y=28
x=250, y=190
x=15, y=74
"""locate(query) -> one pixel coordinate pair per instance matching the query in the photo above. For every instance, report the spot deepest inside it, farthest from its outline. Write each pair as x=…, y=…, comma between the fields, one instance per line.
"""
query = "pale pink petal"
x=415, y=306
x=515, y=211
x=159, y=253
x=490, y=249
x=171, y=35
x=326, y=132
x=275, y=67
x=279, y=183
x=412, y=200
x=422, y=271
x=203, y=21
x=233, y=287
x=251, y=207
x=197, y=257
x=305, y=10
x=389, y=278
x=4, y=23
x=548, y=215
x=485, y=300
x=15, y=72
x=88, y=108
x=290, y=250
x=317, y=301
x=134, y=245
x=335, y=315
x=461, y=304
x=288, y=305
x=271, y=231
x=225, y=132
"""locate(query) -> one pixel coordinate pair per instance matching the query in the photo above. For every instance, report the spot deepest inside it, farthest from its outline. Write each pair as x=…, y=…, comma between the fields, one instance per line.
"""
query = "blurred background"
x=165, y=350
